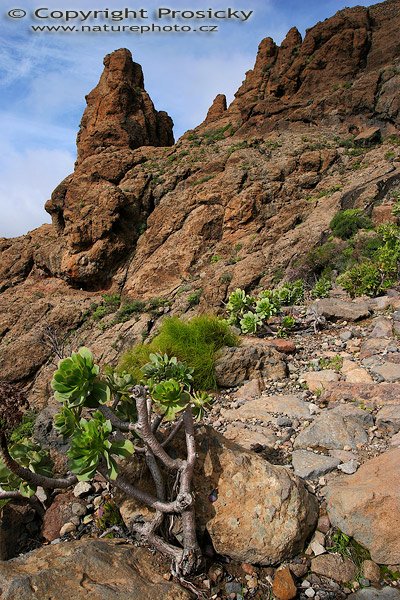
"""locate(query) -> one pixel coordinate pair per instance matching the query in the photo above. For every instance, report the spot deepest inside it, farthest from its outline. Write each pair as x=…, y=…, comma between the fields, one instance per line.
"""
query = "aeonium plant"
x=106, y=418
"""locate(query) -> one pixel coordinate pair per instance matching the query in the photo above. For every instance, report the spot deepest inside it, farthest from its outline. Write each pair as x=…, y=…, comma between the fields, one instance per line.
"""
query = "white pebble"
x=67, y=528
x=83, y=488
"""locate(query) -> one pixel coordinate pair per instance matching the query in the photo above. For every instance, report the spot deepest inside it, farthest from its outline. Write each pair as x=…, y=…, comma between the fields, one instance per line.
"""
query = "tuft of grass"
x=335, y=363
x=193, y=342
x=226, y=277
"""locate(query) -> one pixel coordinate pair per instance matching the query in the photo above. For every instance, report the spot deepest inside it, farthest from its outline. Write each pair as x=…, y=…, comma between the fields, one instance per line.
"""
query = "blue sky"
x=44, y=79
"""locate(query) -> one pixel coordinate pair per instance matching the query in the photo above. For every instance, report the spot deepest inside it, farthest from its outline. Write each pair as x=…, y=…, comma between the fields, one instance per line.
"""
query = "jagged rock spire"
x=120, y=112
x=217, y=109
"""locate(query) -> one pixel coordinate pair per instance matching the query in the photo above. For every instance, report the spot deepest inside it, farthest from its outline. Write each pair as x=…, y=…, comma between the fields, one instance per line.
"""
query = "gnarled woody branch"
x=186, y=559
x=27, y=475
x=189, y=558
x=143, y=429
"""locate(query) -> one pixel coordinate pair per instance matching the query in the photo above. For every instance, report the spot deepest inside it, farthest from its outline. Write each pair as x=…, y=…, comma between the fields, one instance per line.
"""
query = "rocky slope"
x=310, y=447
x=234, y=202
x=173, y=228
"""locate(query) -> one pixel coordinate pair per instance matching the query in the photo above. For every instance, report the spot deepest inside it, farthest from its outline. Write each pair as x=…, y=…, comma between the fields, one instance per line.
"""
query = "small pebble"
x=67, y=528
x=349, y=467
x=310, y=593
x=78, y=509
x=83, y=488
x=97, y=501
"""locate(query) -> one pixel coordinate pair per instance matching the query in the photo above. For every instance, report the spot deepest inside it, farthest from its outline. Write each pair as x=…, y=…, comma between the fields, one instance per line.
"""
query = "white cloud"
x=26, y=182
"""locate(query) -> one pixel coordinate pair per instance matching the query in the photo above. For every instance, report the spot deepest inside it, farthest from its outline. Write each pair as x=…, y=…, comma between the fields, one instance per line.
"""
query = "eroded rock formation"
x=234, y=203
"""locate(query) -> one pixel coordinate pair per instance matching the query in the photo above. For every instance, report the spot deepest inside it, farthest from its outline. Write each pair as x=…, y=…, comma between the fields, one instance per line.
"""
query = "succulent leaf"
x=76, y=382
x=91, y=443
x=170, y=398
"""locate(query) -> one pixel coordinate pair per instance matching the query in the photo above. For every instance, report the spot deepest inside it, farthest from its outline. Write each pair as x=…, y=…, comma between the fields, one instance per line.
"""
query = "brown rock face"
x=87, y=569
x=98, y=220
x=235, y=202
x=344, y=68
x=364, y=506
x=217, y=109
x=120, y=112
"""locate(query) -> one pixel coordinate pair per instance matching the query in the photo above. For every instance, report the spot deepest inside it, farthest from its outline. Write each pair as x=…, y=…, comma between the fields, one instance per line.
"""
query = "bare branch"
x=156, y=474
x=10, y=495
x=121, y=425
x=192, y=557
x=147, y=536
x=156, y=423
x=181, y=503
x=51, y=340
x=172, y=433
x=125, y=426
x=27, y=475
x=143, y=428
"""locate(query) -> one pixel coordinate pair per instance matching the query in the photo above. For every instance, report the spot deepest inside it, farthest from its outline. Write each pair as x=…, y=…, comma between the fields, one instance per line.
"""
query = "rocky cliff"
x=237, y=201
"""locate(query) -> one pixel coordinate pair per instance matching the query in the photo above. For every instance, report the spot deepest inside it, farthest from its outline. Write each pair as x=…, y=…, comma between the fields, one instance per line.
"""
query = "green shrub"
x=287, y=324
x=100, y=312
x=327, y=257
x=291, y=292
x=113, y=300
x=30, y=456
x=161, y=368
x=347, y=222
x=335, y=363
x=250, y=322
x=362, y=279
x=375, y=275
x=77, y=382
x=109, y=304
x=251, y=313
x=365, y=245
x=322, y=287
x=194, y=342
x=396, y=209
x=194, y=298
x=128, y=309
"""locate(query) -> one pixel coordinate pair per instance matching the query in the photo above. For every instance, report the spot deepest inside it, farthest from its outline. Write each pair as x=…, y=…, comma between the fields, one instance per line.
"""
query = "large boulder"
x=371, y=395
x=265, y=407
x=254, y=512
x=263, y=514
x=234, y=366
x=336, y=309
x=366, y=506
x=86, y=569
x=387, y=593
x=332, y=432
